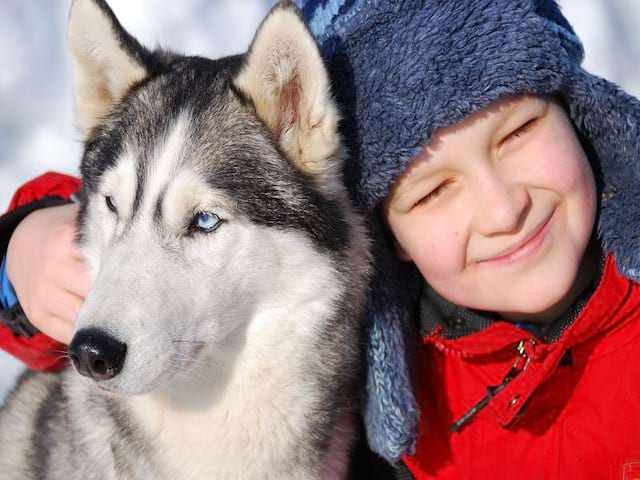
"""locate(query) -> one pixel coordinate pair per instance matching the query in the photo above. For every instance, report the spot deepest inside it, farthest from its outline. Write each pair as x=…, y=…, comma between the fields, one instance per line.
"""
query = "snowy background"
x=36, y=124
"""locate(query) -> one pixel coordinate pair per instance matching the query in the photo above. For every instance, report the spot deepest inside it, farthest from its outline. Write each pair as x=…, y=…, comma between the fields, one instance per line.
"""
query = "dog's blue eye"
x=110, y=204
x=206, y=222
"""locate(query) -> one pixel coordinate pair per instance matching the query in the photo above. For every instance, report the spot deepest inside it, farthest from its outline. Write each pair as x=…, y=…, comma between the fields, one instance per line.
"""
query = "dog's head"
x=212, y=199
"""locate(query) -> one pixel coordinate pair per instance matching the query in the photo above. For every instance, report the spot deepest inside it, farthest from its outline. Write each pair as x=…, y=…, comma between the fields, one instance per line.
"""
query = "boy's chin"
x=539, y=297
x=543, y=303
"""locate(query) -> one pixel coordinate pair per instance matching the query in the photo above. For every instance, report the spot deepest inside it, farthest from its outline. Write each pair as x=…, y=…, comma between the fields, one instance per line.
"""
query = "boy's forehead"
x=492, y=115
x=495, y=112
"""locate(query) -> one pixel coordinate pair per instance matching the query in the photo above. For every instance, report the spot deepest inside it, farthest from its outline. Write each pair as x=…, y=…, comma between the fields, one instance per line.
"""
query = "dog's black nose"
x=96, y=354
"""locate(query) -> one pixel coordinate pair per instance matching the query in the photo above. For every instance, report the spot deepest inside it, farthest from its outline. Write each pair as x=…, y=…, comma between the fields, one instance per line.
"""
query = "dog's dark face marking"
x=227, y=143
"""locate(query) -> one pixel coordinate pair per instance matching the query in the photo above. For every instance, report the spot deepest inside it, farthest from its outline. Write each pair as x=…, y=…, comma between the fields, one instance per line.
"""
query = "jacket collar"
x=453, y=321
x=534, y=360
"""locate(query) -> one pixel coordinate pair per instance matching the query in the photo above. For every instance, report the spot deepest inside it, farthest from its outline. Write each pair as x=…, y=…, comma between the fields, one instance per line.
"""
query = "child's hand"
x=47, y=271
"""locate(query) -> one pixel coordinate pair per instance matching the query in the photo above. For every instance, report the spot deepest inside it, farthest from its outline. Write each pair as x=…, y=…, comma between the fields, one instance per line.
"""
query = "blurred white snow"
x=36, y=115
x=36, y=122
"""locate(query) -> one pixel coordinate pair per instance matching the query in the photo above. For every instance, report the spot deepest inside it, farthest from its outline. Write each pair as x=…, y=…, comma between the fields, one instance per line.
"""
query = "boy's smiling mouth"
x=524, y=248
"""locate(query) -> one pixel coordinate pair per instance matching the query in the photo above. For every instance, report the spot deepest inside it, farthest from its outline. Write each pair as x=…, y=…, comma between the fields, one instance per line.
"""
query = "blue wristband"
x=7, y=294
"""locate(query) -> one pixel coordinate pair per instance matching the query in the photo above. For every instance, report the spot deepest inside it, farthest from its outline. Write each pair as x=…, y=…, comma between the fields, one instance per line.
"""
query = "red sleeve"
x=46, y=185
x=39, y=352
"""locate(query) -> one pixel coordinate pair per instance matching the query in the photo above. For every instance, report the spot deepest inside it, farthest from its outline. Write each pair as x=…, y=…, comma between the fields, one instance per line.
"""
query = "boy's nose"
x=500, y=207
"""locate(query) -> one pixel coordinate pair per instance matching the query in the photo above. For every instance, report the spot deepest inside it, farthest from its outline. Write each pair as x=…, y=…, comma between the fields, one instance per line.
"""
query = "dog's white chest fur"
x=248, y=430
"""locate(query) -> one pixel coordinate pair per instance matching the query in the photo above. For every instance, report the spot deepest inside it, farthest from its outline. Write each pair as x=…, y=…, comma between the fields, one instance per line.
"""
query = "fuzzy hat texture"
x=402, y=69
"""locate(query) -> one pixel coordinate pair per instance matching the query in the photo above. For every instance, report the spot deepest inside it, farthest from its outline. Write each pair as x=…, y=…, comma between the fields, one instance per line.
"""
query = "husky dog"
x=222, y=336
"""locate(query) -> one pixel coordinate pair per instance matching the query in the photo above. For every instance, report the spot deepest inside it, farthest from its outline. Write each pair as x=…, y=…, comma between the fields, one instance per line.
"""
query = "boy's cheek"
x=435, y=243
x=439, y=258
x=558, y=161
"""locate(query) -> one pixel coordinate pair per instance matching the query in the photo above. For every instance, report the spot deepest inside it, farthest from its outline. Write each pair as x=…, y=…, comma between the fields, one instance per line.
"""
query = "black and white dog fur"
x=222, y=336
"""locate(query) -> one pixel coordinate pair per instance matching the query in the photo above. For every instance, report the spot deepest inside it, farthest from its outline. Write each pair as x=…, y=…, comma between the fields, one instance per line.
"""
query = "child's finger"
x=55, y=316
x=59, y=329
x=66, y=306
x=76, y=280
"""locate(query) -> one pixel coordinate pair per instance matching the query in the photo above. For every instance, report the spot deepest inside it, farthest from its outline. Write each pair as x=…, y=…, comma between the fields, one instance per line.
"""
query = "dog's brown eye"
x=110, y=204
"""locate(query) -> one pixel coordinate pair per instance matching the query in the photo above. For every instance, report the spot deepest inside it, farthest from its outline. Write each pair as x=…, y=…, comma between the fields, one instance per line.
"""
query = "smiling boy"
x=497, y=213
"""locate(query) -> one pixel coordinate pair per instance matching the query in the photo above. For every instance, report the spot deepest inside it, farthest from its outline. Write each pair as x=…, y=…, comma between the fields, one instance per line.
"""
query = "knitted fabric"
x=402, y=69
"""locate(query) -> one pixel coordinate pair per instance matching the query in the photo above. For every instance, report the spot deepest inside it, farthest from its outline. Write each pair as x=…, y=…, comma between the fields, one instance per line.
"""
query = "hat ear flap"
x=390, y=410
x=285, y=79
x=608, y=119
x=107, y=61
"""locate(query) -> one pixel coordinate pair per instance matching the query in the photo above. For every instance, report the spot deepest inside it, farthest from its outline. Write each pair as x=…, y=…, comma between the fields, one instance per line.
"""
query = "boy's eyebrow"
x=416, y=171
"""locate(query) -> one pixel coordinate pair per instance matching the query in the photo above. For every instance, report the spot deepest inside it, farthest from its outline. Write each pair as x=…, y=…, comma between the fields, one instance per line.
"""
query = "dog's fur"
x=243, y=342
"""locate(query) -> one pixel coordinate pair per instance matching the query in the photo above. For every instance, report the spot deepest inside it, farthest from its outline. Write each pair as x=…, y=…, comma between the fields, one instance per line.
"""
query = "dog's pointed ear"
x=285, y=78
x=107, y=61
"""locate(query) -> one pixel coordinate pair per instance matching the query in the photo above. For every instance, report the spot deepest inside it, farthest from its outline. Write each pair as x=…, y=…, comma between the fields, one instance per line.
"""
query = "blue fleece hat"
x=402, y=69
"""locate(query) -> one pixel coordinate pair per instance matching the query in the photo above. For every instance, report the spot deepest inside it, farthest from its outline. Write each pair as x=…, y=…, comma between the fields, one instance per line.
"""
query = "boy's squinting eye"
x=433, y=194
x=111, y=205
x=521, y=130
x=205, y=222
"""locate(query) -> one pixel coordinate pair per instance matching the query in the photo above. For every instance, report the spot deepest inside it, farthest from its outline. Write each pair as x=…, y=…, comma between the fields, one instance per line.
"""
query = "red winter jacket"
x=39, y=352
x=561, y=416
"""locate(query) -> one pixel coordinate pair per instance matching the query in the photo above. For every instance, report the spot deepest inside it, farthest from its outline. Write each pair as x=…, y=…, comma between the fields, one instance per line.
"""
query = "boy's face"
x=498, y=210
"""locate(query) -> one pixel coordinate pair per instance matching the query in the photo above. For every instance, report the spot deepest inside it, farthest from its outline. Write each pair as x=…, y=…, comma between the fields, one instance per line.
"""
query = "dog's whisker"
x=188, y=374
x=183, y=376
x=179, y=369
x=63, y=352
x=197, y=342
x=189, y=359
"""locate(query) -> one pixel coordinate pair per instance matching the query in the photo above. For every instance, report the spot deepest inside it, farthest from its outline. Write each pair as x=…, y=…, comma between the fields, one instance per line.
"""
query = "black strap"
x=10, y=220
x=17, y=321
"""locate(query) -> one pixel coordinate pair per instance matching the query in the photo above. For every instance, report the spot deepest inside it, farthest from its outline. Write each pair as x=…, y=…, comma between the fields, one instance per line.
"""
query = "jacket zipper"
x=519, y=365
